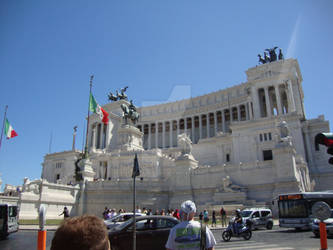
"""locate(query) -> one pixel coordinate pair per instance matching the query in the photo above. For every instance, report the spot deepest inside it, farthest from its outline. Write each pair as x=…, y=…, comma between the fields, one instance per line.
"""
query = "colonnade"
x=99, y=135
x=266, y=101
x=163, y=134
x=276, y=99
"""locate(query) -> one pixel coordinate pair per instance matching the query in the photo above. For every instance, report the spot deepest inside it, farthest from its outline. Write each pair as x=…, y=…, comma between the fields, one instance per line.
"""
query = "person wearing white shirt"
x=189, y=234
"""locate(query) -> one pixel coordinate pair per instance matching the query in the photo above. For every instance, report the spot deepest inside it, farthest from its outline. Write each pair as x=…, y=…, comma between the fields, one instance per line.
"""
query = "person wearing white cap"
x=189, y=234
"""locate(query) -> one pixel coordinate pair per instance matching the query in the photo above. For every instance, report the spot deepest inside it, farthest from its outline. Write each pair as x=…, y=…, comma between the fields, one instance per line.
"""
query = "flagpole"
x=86, y=146
x=83, y=138
x=3, y=124
x=135, y=173
x=134, y=224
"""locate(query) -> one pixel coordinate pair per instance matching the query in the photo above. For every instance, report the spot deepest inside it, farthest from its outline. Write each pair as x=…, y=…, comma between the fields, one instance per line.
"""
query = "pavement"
x=36, y=227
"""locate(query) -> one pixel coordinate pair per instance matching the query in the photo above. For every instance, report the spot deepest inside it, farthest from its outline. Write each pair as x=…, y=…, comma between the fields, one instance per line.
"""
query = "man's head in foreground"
x=187, y=210
x=86, y=232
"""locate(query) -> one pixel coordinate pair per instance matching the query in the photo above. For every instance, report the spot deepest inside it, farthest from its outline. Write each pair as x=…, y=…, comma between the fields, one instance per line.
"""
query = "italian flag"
x=94, y=107
x=10, y=132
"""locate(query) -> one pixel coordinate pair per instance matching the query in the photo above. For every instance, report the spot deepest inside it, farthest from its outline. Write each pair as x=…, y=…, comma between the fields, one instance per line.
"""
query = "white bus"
x=295, y=209
x=8, y=220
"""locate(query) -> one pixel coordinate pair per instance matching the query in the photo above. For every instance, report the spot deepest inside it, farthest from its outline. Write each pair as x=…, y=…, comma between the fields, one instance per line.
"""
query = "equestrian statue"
x=130, y=112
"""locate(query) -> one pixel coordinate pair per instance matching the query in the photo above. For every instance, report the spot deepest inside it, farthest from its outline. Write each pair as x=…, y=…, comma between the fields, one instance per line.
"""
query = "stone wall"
x=53, y=196
x=9, y=199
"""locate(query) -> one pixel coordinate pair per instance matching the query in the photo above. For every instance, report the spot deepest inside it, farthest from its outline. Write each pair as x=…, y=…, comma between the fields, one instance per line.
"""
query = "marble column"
x=278, y=99
x=163, y=134
x=107, y=138
x=268, y=103
x=215, y=123
x=100, y=128
x=291, y=96
x=250, y=111
x=95, y=136
x=178, y=130
x=103, y=136
x=207, y=125
x=246, y=111
x=149, y=136
x=223, y=122
x=255, y=101
x=156, y=134
x=200, y=126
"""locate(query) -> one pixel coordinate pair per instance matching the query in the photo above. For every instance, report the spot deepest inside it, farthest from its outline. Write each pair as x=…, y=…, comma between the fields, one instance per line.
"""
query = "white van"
x=258, y=217
x=8, y=220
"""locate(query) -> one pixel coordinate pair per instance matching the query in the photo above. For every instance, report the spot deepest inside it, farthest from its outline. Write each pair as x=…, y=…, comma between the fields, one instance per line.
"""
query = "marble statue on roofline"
x=271, y=57
x=117, y=97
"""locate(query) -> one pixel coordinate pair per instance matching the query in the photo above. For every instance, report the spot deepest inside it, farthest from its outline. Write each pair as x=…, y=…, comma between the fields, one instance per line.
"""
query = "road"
x=275, y=239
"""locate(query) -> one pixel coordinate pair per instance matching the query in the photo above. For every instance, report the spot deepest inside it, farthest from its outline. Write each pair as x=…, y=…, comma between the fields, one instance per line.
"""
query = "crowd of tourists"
x=203, y=215
x=111, y=212
x=89, y=231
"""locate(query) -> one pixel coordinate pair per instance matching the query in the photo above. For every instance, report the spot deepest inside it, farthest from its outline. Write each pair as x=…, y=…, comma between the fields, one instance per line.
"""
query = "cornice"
x=259, y=123
x=194, y=111
x=268, y=70
x=62, y=154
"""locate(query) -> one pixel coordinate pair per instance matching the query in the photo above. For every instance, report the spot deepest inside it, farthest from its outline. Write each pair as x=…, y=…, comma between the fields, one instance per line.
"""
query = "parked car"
x=119, y=219
x=329, y=226
x=151, y=233
x=258, y=217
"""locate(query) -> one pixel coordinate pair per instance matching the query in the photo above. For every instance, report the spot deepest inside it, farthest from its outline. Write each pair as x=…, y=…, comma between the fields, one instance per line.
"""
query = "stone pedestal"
x=129, y=138
x=184, y=165
x=182, y=180
x=88, y=174
x=284, y=162
x=86, y=170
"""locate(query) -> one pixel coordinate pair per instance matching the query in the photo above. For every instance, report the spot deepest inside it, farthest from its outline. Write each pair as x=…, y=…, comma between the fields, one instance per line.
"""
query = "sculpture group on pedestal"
x=271, y=57
x=129, y=112
x=121, y=96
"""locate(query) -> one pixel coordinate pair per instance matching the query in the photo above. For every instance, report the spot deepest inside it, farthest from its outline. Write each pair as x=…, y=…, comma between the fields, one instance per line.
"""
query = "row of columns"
x=99, y=135
x=216, y=121
x=282, y=108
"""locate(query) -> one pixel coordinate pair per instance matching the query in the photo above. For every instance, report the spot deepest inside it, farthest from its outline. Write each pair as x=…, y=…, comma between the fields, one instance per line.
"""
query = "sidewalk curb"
x=36, y=227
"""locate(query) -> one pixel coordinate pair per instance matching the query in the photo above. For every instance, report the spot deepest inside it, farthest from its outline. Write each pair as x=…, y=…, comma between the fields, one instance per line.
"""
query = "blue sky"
x=49, y=49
